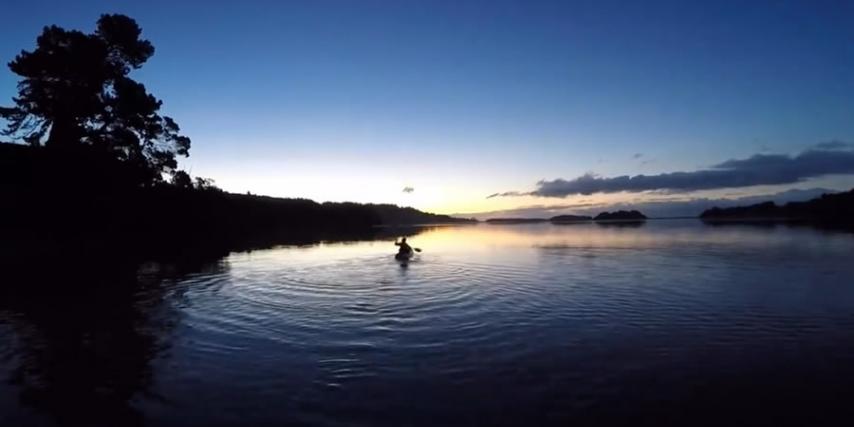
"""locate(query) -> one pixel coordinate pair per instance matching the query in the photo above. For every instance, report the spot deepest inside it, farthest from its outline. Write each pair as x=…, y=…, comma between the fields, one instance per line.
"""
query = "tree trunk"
x=64, y=133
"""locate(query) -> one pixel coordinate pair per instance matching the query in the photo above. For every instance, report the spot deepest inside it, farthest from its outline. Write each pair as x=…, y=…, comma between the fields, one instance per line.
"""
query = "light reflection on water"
x=491, y=324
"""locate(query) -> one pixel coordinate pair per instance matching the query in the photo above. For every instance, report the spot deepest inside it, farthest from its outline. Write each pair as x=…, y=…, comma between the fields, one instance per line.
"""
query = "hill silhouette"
x=395, y=215
x=828, y=208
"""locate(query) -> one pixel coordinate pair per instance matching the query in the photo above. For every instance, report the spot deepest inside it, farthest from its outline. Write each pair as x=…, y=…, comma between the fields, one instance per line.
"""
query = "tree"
x=182, y=179
x=75, y=91
x=206, y=184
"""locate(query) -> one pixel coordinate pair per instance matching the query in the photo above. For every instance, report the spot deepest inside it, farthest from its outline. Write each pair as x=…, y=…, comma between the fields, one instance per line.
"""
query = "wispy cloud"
x=508, y=194
x=834, y=145
x=828, y=158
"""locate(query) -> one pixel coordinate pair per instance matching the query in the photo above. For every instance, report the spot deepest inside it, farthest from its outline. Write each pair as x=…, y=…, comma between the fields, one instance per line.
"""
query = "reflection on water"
x=668, y=322
x=80, y=335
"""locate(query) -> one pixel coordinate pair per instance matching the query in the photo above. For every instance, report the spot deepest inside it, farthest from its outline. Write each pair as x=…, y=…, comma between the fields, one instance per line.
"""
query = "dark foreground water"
x=672, y=322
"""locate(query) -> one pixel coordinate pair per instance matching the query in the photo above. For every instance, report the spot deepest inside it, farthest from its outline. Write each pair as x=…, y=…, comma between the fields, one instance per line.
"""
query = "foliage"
x=182, y=179
x=206, y=184
x=75, y=91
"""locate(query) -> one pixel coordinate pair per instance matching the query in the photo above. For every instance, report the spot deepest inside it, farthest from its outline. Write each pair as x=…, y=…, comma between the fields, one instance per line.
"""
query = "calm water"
x=669, y=322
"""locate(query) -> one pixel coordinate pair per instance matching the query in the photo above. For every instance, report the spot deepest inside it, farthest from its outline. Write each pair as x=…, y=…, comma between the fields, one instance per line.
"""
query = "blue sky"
x=355, y=100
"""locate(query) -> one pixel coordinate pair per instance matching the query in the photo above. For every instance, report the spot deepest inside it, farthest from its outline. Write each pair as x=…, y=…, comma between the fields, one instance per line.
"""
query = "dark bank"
x=82, y=197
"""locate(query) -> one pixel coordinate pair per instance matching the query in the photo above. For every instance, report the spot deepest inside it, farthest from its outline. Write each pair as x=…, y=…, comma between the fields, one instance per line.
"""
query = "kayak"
x=403, y=256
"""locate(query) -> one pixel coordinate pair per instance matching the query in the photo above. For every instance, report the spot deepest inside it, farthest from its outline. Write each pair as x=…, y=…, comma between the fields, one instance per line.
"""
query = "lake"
x=669, y=322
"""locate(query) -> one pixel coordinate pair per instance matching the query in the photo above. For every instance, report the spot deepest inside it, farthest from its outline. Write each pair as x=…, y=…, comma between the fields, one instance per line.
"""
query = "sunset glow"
x=355, y=102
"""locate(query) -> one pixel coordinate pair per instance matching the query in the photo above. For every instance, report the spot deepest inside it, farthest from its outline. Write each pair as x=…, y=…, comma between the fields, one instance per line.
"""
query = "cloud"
x=637, y=155
x=834, y=145
x=760, y=169
x=507, y=194
x=408, y=189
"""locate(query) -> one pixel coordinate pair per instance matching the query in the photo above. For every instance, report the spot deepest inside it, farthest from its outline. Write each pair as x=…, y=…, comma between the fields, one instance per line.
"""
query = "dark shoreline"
x=79, y=201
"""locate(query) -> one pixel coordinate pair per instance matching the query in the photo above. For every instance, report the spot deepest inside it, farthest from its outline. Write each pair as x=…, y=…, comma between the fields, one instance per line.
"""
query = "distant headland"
x=833, y=209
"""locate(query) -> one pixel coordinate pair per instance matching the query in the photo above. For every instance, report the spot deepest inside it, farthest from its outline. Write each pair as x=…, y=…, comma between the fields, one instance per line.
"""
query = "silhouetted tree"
x=182, y=179
x=76, y=91
x=206, y=184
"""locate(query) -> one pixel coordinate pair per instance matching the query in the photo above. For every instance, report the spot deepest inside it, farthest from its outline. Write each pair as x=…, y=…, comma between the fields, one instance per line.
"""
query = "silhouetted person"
x=405, y=249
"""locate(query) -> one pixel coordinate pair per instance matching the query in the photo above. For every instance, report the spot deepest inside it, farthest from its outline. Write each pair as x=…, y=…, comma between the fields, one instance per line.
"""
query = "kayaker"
x=405, y=249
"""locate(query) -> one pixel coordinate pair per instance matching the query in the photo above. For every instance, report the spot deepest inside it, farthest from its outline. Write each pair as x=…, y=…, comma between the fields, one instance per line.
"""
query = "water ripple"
x=537, y=323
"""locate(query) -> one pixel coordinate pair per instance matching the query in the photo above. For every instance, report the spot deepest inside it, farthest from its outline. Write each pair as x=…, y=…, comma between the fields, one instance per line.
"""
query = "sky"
x=441, y=104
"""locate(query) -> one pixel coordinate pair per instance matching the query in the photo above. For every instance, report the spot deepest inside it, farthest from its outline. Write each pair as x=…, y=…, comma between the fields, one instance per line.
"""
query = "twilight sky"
x=439, y=104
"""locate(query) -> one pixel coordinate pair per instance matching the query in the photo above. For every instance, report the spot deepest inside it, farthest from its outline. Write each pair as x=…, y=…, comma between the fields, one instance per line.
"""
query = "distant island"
x=570, y=218
x=624, y=216
x=828, y=208
x=515, y=220
x=620, y=216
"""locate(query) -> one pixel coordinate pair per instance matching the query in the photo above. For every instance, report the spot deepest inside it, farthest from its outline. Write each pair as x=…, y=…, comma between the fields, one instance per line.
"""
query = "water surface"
x=669, y=322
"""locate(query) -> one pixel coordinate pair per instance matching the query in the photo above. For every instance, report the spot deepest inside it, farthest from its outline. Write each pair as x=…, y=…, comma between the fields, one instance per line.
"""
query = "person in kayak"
x=405, y=249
